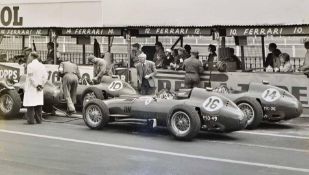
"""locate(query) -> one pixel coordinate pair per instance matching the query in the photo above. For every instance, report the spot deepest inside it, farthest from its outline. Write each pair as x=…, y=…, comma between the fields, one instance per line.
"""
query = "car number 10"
x=115, y=86
x=212, y=103
x=271, y=95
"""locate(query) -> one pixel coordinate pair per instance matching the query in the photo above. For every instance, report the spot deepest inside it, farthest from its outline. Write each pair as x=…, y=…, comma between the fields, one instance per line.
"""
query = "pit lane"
x=61, y=146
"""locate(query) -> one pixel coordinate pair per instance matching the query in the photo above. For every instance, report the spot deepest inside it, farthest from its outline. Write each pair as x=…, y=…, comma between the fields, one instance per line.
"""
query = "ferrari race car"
x=264, y=102
x=53, y=94
x=10, y=101
x=184, y=114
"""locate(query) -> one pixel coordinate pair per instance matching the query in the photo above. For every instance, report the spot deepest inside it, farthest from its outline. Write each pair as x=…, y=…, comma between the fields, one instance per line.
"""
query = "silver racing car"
x=264, y=102
x=184, y=113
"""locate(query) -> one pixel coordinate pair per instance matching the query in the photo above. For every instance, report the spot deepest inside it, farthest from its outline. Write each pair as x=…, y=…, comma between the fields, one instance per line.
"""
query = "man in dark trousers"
x=99, y=68
x=146, y=70
x=193, y=68
x=269, y=61
x=71, y=75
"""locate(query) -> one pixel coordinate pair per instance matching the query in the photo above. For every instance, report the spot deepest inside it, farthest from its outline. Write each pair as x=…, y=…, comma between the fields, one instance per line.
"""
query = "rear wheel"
x=10, y=103
x=96, y=114
x=252, y=110
x=183, y=122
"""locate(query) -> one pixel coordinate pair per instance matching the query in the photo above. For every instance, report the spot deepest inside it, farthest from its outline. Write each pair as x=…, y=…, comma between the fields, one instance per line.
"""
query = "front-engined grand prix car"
x=264, y=102
x=184, y=114
x=53, y=92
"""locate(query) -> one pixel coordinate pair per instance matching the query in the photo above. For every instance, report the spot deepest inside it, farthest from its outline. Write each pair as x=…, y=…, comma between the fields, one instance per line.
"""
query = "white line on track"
x=273, y=135
x=263, y=165
x=262, y=146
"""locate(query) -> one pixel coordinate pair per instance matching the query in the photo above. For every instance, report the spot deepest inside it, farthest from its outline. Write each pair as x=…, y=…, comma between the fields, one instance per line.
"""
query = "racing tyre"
x=252, y=110
x=92, y=93
x=183, y=122
x=96, y=114
x=10, y=103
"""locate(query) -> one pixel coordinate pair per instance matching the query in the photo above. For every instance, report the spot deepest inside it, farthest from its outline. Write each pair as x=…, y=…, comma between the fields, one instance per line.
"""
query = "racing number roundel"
x=213, y=103
x=148, y=101
x=115, y=86
x=271, y=95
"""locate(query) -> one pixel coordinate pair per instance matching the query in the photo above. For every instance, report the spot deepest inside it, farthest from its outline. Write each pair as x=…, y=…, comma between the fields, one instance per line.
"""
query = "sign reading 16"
x=212, y=103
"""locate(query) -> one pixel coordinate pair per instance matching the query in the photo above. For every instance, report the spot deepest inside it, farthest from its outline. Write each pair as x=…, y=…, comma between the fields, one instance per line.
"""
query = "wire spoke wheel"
x=94, y=115
x=248, y=111
x=180, y=122
x=89, y=96
x=6, y=103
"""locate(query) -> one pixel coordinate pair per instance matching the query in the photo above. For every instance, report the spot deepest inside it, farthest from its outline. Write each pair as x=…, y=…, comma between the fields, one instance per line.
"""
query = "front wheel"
x=183, y=122
x=10, y=103
x=92, y=93
x=96, y=114
x=252, y=110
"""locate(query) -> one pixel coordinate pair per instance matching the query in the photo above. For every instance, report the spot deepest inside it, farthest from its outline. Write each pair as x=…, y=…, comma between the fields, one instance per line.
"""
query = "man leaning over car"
x=70, y=76
x=99, y=68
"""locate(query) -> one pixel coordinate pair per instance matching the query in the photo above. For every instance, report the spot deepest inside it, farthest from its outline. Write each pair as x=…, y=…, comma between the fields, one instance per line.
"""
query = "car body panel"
x=228, y=116
x=277, y=103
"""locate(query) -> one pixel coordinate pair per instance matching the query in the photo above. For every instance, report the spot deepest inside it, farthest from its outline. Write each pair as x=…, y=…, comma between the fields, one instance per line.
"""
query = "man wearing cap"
x=99, y=68
x=193, y=68
x=70, y=76
x=33, y=97
x=146, y=70
x=134, y=54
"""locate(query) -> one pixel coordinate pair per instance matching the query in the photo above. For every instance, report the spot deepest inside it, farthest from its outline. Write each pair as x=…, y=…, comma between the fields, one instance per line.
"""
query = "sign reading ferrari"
x=91, y=31
x=174, y=31
x=23, y=31
x=263, y=31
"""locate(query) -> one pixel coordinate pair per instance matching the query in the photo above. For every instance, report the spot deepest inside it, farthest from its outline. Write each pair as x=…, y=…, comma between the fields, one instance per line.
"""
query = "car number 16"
x=212, y=103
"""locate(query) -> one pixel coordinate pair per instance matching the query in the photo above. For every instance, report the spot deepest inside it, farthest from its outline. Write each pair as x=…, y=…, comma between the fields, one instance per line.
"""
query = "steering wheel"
x=86, y=81
x=166, y=94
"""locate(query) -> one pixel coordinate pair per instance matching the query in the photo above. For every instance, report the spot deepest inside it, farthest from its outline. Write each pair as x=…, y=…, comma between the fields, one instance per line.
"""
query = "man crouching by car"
x=33, y=96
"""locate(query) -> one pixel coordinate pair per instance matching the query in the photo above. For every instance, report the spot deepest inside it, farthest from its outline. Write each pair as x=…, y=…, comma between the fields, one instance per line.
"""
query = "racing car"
x=184, y=114
x=10, y=101
x=263, y=101
x=53, y=94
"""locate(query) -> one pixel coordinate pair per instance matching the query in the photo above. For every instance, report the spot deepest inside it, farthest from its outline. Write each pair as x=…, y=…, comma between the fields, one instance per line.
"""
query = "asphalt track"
x=62, y=146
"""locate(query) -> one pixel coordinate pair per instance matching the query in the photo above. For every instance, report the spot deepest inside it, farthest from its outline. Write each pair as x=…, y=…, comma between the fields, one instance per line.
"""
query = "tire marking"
x=231, y=161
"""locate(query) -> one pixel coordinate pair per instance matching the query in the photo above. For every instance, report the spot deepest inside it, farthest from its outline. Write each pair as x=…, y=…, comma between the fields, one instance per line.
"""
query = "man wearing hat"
x=193, y=68
x=70, y=76
x=146, y=70
x=99, y=68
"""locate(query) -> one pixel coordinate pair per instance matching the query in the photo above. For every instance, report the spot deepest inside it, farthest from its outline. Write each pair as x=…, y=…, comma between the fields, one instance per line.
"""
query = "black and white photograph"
x=154, y=87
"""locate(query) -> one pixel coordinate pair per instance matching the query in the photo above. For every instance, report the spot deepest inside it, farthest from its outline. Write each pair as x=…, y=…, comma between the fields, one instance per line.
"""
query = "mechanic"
x=146, y=70
x=70, y=76
x=99, y=68
x=269, y=61
x=33, y=97
x=193, y=68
